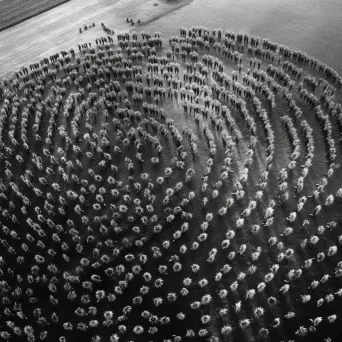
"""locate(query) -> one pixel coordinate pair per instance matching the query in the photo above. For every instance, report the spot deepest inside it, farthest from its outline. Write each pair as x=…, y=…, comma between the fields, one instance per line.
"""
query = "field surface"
x=172, y=184
x=310, y=26
x=16, y=11
x=148, y=200
x=58, y=29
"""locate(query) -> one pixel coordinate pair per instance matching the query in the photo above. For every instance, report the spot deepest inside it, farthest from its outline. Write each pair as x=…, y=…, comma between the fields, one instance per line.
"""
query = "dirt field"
x=16, y=11
x=121, y=231
x=85, y=191
x=58, y=29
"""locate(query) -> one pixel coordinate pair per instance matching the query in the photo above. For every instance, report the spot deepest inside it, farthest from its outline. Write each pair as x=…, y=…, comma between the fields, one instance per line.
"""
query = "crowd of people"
x=139, y=191
x=86, y=27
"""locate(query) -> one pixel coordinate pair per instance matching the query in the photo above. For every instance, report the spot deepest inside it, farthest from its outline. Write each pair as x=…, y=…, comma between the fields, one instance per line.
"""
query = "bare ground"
x=16, y=11
x=58, y=29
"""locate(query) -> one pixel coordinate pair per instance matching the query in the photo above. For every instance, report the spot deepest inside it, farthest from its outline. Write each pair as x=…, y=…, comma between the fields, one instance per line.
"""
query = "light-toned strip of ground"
x=58, y=29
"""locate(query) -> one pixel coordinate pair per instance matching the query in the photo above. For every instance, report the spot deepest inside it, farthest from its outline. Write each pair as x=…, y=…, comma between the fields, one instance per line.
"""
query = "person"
x=80, y=30
x=138, y=21
x=317, y=210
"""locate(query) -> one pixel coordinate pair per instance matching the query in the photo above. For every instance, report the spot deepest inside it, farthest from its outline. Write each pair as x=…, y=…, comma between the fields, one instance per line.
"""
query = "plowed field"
x=16, y=11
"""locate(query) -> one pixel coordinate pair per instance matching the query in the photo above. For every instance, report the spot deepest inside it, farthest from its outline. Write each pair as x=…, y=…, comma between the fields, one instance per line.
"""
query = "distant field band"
x=14, y=12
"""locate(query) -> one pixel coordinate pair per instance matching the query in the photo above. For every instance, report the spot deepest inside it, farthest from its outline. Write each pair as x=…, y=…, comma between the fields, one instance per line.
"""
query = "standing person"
x=316, y=211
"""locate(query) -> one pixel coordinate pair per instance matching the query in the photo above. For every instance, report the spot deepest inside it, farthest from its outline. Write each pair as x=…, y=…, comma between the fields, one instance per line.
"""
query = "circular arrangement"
x=187, y=192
